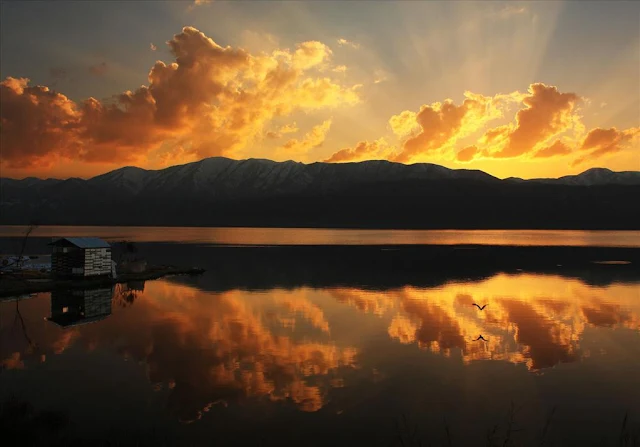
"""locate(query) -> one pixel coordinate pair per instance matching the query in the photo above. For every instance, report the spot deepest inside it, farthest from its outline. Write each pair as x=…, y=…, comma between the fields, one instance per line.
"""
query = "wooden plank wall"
x=97, y=261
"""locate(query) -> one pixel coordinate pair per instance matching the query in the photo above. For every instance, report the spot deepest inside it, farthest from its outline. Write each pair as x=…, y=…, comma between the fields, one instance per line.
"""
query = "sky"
x=524, y=89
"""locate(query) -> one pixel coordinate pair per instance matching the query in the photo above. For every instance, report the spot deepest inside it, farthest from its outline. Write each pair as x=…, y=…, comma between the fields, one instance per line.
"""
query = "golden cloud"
x=557, y=148
x=467, y=153
x=404, y=123
x=442, y=124
x=548, y=125
x=211, y=100
x=314, y=138
x=38, y=125
x=600, y=142
x=364, y=150
x=547, y=113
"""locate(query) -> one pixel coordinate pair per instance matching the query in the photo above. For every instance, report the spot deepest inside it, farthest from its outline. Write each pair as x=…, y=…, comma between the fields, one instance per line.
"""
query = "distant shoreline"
x=334, y=227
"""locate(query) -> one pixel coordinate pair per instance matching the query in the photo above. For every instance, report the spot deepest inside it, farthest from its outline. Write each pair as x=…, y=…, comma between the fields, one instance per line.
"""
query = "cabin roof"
x=83, y=242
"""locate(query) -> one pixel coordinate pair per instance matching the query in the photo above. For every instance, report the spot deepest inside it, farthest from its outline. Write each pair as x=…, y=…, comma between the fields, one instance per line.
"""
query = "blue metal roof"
x=85, y=242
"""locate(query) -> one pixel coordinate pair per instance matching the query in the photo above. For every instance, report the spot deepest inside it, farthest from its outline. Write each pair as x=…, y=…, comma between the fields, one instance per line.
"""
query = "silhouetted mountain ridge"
x=256, y=192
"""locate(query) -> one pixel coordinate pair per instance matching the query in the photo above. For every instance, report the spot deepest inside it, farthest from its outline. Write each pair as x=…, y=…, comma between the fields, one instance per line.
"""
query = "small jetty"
x=23, y=283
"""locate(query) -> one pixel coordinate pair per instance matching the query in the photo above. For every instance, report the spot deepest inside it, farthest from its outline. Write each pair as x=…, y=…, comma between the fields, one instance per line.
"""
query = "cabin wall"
x=67, y=261
x=97, y=261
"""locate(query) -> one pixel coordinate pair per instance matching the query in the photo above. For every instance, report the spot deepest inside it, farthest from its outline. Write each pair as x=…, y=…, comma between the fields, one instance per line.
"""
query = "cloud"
x=548, y=124
x=364, y=150
x=340, y=69
x=404, y=123
x=314, y=138
x=467, y=153
x=153, y=47
x=287, y=128
x=99, y=69
x=442, y=124
x=310, y=54
x=345, y=43
x=547, y=113
x=557, y=148
x=211, y=100
x=36, y=123
x=600, y=142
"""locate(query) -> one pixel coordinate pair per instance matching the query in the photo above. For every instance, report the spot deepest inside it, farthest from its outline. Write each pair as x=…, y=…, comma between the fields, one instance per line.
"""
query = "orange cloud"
x=36, y=123
x=467, y=153
x=364, y=150
x=314, y=138
x=211, y=100
x=404, y=123
x=442, y=124
x=602, y=142
x=557, y=148
x=310, y=54
x=547, y=113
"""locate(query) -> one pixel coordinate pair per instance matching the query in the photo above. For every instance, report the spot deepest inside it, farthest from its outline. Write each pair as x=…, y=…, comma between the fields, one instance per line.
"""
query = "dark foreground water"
x=304, y=349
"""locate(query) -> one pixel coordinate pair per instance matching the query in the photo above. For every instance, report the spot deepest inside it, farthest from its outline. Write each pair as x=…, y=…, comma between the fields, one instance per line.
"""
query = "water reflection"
x=295, y=346
x=531, y=319
x=75, y=307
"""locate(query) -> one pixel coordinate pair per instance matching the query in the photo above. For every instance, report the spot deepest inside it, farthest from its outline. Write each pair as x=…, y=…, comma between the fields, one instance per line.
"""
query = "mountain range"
x=223, y=192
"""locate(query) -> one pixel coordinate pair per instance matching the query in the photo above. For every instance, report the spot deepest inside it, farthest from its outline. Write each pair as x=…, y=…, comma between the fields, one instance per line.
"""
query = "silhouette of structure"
x=75, y=307
x=80, y=257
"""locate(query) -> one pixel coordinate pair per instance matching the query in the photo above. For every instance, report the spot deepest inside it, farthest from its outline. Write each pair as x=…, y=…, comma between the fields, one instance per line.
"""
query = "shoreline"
x=10, y=287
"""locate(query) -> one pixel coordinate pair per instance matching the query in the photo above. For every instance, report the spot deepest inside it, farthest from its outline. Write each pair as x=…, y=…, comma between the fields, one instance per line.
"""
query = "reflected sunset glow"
x=206, y=348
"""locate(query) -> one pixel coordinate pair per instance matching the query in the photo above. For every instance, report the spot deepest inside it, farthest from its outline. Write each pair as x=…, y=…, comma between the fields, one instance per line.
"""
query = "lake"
x=323, y=236
x=358, y=346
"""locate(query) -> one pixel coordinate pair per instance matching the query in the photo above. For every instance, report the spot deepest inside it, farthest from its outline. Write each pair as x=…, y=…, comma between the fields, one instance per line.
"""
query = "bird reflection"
x=478, y=306
x=481, y=338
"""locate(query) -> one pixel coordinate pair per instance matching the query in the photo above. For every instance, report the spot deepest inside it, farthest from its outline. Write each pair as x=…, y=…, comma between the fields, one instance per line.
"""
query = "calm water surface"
x=332, y=365
x=315, y=236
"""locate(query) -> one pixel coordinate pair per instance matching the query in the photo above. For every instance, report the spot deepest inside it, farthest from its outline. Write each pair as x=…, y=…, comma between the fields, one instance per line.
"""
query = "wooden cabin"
x=80, y=257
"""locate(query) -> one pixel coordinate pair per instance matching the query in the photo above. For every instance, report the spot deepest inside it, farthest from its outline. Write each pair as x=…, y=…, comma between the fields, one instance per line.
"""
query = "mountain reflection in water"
x=296, y=346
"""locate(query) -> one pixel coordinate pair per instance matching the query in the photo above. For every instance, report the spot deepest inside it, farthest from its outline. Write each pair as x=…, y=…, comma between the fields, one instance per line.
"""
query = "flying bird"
x=481, y=338
x=481, y=308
